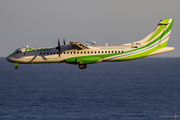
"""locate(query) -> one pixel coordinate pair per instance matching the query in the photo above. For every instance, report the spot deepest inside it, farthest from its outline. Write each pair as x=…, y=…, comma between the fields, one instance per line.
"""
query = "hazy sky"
x=40, y=22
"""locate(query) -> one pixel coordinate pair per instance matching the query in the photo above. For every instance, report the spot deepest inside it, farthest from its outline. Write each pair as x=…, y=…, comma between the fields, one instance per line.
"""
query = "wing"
x=78, y=45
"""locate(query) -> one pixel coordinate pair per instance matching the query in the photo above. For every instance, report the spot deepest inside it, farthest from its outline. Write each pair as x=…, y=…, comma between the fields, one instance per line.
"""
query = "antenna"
x=27, y=46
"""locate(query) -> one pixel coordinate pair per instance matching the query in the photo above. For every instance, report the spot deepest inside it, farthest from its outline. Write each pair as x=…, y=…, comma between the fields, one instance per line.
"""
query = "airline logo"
x=37, y=50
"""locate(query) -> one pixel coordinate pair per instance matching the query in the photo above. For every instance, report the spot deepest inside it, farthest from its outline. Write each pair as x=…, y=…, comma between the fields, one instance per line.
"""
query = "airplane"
x=83, y=54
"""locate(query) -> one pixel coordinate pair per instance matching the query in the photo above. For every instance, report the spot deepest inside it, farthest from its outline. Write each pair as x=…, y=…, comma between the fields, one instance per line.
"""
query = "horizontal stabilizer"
x=162, y=50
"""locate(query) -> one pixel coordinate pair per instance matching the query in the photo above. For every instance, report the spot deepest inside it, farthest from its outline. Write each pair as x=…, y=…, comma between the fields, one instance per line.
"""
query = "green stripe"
x=165, y=32
x=161, y=28
x=140, y=55
x=12, y=54
x=144, y=54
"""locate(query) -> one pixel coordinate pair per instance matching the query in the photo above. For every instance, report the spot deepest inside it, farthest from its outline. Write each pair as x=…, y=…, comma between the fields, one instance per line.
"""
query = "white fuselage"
x=50, y=54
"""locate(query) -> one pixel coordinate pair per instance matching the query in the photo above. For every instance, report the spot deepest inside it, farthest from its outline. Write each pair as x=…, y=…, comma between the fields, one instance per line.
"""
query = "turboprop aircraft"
x=83, y=54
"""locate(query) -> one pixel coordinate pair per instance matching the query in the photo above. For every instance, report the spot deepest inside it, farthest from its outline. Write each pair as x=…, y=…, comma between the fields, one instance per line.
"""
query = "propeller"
x=64, y=41
x=59, y=47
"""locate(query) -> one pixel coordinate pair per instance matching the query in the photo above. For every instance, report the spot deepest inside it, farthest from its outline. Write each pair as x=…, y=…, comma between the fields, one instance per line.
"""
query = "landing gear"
x=16, y=67
x=82, y=66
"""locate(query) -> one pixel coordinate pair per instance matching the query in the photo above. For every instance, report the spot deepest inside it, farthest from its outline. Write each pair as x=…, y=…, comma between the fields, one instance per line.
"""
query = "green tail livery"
x=88, y=53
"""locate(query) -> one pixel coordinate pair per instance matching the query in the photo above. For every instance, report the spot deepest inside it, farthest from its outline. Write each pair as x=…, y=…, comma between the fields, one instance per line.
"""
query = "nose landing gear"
x=16, y=67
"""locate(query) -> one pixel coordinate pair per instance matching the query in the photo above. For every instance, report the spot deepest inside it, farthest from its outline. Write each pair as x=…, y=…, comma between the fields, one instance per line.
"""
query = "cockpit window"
x=17, y=51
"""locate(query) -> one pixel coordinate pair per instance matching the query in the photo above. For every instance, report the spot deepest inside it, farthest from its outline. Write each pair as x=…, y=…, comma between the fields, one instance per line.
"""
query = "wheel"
x=16, y=67
x=82, y=66
x=85, y=66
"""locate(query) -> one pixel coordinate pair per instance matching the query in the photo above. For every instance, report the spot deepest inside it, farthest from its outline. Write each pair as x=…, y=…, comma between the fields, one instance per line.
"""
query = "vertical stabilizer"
x=160, y=34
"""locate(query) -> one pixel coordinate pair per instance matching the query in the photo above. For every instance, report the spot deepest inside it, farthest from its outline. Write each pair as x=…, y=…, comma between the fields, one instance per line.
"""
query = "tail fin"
x=161, y=34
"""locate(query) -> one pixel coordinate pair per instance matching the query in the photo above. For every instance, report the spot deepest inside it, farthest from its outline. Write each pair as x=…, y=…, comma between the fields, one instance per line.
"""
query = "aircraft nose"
x=9, y=59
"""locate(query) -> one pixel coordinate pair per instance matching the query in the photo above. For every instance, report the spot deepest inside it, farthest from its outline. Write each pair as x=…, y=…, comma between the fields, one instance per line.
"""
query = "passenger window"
x=40, y=53
x=77, y=52
x=91, y=52
x=67, y=52
x=112, y=51
x=88, y=52
x=51, y=53
x=118, y=51
x=84, y=52
x=64, y=52
x=47, y=53
x=122, y=51
x=98, y=51
x=20, y=51
x=109, y=52
x=74, y=52
x=54, y=53
x=115, y=51
x=105, y=51
x=81, y=52
x=44, y=53
x=95, y=52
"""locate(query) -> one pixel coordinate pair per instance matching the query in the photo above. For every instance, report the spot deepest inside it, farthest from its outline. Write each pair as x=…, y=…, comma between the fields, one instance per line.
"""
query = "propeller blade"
x=64, y=41
x=59, y=47
x=58, y=42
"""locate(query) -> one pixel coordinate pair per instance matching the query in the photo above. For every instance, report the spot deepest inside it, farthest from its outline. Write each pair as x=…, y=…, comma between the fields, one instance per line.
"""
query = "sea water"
x=144, y=89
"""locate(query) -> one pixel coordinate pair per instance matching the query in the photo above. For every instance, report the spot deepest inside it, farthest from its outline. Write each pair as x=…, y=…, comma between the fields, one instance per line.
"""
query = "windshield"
x=17, y=51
